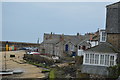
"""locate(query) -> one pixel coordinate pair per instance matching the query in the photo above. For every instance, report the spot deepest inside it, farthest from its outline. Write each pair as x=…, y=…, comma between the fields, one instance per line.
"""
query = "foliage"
x=114, y=71
x=52, y=74
x=38, y=64
x=44, y=70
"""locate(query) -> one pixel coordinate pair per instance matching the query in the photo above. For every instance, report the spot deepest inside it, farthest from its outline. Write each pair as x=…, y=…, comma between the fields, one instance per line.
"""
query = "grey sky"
x=25, y=21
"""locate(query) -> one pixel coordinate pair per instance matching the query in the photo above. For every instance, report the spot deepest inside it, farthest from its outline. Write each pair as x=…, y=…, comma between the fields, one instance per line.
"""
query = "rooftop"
x=114, y=5
x=56, y=38
x=103, y=48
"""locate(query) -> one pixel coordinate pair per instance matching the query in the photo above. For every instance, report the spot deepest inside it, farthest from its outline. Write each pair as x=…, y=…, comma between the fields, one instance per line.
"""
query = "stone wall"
x=59, y=49
x=114, y=39
x=97, y=70
x=39, y=59
x=49, y=48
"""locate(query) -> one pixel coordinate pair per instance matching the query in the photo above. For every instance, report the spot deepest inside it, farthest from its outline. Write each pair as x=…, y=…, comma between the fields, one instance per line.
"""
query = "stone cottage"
x=60, y=44
x=97, y=59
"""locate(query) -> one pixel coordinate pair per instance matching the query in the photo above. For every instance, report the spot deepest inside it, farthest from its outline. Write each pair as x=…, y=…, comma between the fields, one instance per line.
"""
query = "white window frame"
x=87, y=57
x=99, y=59
x=80, y=52
x=72, y=47
x=96, y=58
x=107, y=59
x=102, y=59
x=92, y=58
x=111, y=60
x=103, y=35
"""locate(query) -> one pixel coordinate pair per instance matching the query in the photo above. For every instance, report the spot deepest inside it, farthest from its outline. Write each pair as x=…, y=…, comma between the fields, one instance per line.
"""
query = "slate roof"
x=113, y=18
x=103, y=48
x=52, y=41
x=85, y=43
x=114, y=5
x=96, y=37
x=71, y=38
x=74, y=40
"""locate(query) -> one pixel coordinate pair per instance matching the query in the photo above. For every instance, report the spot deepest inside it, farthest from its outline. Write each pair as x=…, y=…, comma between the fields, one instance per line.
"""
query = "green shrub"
x=52, y=74
x=114, y=71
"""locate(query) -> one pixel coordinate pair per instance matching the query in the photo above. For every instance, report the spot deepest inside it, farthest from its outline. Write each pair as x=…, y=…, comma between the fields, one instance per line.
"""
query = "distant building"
x=60, y=44
x=92, y=41
x=16, y=45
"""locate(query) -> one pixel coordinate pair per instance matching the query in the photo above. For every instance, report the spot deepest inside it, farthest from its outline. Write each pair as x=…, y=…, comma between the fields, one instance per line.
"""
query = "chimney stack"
x=91, y=37
x=62, y=37
x=51, y=35
x=78, y=34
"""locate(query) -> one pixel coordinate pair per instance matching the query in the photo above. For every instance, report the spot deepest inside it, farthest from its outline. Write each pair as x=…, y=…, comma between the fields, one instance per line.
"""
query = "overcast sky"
x=26, y=22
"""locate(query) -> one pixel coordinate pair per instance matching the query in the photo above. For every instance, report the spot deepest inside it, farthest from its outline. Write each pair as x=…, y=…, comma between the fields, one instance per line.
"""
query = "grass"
x=44, y=70
x=52, y=74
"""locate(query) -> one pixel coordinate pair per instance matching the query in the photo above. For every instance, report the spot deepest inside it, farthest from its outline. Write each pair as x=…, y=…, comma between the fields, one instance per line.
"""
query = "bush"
x=44, y=70
x=114, y=71
x=52, y=74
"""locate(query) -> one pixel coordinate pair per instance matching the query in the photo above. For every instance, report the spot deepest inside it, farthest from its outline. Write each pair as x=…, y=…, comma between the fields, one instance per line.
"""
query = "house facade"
x=93, y=40
x=97, y=59
x=60, y=44
x=113, y=24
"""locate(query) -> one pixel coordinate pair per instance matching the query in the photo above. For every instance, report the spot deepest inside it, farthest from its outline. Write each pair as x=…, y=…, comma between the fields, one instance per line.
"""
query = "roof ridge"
x=113, y=4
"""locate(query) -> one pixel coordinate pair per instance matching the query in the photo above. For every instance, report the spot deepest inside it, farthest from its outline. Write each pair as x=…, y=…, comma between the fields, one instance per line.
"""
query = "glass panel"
x=96, y=58
x=91, y=58
x=66, y=47
x=102, y=59
x=106, y=59
x=87, y=58
x=111, y=60
x=103, y=36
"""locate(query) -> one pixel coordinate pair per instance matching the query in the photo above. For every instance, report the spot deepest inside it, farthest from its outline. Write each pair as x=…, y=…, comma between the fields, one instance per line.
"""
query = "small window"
x=96, y=58
x=111, y=60
x=72, y=47
x=102, y=59
x=66, y=47
x=106, y=59
x=91, y=58
x=103, y=36
x=86, y=58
